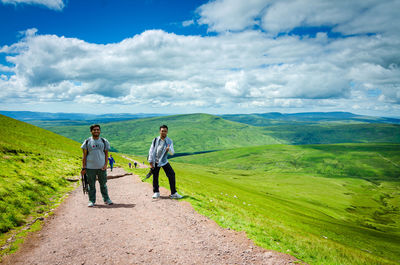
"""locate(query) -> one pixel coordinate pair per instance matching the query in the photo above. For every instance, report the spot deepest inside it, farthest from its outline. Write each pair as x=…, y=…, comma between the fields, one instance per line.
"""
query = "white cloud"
x=347, y=17
x=221, y=15
x=188, y=23
x=249, y=70
x=51, y=4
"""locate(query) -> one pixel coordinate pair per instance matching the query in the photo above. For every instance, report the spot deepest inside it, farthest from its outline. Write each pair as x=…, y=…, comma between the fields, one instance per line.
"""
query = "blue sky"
x=99, y=21
x=220, y=56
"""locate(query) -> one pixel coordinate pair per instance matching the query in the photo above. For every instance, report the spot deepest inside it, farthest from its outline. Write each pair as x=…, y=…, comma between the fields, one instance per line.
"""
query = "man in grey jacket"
x=158, y=158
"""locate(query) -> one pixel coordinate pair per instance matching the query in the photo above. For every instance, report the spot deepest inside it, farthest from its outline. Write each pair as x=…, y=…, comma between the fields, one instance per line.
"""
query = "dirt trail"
x=139, y=164
x=136, y=230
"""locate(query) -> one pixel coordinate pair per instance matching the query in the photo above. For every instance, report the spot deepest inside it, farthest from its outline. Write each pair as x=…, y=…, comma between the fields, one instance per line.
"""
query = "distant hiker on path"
x=135, y=164
x=94, y=163
x=130, y=165
x=158, y=158
x=111, y=161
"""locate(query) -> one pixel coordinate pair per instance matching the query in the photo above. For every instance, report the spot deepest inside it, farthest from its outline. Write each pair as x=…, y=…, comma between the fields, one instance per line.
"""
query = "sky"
x=218, y=56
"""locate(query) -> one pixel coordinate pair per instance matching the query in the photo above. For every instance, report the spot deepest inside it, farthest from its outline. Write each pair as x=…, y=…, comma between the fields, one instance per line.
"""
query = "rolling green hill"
x=195, y=133
x=335, y=133
x=33, y=166
x=190, y=133
x=325, y=204
x=265, y=119
x=323, y=128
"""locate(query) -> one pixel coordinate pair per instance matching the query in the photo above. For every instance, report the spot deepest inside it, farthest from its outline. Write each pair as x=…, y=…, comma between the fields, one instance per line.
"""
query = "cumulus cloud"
x=241, y=68
x=273, y=16
x=221, y=15
x=51, y=4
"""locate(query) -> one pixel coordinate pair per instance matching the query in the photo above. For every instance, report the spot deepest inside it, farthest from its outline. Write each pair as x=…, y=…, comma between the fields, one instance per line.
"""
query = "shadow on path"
x=115, y=205
x=168, y=198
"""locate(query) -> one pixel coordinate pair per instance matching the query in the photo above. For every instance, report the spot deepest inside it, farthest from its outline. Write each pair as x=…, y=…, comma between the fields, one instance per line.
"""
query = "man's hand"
x=167, y=149
x=83, y=171
x=104, y=167
x=151, y=165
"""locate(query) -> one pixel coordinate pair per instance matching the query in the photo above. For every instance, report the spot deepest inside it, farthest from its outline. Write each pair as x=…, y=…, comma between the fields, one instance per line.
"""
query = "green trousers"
x=102, y=177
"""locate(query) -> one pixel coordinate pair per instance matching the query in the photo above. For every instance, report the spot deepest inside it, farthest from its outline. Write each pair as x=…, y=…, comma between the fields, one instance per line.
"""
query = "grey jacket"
x=164, y=157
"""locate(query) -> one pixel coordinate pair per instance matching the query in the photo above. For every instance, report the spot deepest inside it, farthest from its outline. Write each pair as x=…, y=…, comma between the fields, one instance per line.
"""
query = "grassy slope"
x=335, y=133
x=202, y=132
x=326, y=204
x=33, y=165
x=191, y=133
x=264, y=119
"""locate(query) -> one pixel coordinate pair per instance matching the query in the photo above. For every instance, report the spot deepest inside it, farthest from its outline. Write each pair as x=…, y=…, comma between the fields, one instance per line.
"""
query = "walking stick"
x=85, y=183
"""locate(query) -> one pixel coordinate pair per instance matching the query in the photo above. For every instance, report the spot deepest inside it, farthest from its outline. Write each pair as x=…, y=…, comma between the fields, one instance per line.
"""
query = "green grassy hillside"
x=335, y=133
x=325, y=204
x=202, y=132
x=263, y=119
x=33, y=166
x=190, y=133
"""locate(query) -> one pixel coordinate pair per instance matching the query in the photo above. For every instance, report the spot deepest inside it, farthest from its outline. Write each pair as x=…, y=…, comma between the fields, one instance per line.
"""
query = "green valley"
x=191, y=133
x=322, y=203
x=325, y=204
x=194, y=133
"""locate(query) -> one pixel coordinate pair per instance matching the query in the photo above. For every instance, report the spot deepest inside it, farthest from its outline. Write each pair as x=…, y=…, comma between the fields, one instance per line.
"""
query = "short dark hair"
x=93, y=126
x=164, y=126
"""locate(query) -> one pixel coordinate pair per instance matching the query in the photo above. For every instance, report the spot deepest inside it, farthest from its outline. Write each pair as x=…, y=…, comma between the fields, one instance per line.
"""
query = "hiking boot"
x=108, y=202
x=176, y=196
x=156, y=195
x=91, y=204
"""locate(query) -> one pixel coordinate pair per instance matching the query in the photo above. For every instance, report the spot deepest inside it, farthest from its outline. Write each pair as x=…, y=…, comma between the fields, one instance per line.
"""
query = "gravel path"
x=136, y=230
x=139, y=164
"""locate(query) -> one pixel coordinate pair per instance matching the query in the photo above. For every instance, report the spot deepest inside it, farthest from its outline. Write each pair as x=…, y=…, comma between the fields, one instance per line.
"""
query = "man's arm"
x=151, y=154
x=84, y=159
x=106, y=160
x=171, y=148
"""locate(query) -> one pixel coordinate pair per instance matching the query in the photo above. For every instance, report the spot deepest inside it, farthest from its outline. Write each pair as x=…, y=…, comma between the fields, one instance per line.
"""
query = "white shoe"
x=108, y=202
x=156, y=195
x=91, y=204
x=176, y=196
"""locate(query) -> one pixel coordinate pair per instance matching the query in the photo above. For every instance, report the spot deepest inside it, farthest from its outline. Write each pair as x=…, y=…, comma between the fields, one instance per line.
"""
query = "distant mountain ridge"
x=199, y=133
x=257, y=119
x=36, y=117
x=272, y=118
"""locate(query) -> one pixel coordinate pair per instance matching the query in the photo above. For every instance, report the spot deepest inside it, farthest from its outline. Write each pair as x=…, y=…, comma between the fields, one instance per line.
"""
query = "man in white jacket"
x=158, y=157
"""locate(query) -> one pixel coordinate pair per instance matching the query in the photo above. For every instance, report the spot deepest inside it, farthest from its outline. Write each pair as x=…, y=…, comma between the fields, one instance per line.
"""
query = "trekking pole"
x=84, y=183
x=151, y=172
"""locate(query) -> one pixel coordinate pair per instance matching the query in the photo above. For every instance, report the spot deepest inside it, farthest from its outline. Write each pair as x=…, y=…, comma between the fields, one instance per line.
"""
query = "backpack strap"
x=104, y=143
x=87, y=148
x=154, y=144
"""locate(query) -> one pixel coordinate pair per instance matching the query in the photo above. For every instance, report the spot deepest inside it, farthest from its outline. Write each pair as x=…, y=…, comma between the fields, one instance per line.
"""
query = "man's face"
x=95, y=132
x=163, y=132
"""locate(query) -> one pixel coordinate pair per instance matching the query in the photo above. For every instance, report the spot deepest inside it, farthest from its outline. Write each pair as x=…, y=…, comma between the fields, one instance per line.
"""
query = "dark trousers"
x=102, y=177
x=170, y=174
